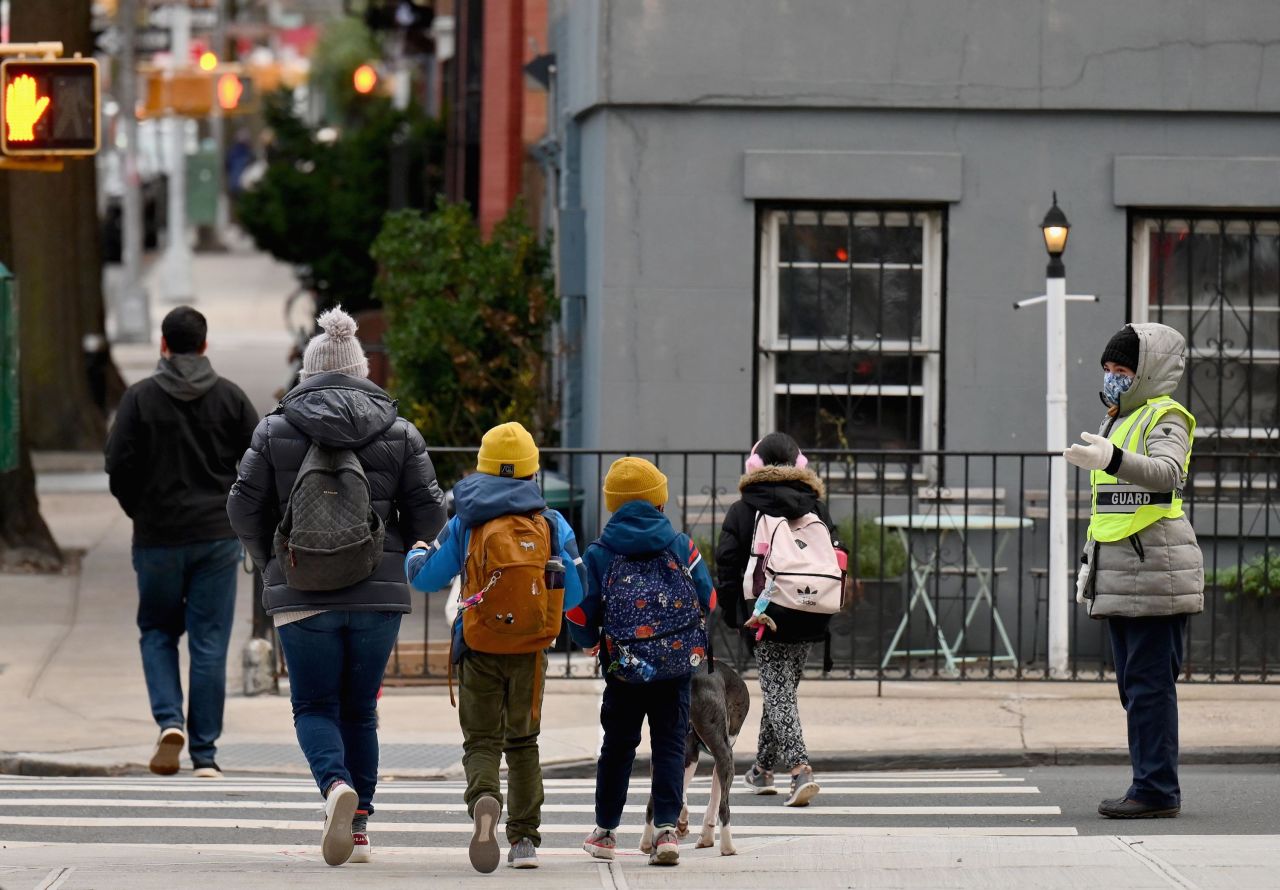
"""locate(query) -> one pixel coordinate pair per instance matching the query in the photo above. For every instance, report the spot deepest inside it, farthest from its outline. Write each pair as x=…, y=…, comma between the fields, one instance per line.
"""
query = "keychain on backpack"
x=759, y=619
x=477, y=598
x=627, y=659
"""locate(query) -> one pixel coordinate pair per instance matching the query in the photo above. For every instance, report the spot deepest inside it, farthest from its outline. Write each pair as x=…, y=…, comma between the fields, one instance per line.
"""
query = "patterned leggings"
x=781, y=737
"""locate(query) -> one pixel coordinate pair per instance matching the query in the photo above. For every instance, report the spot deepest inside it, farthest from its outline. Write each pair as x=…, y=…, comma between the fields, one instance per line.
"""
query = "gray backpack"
x=330, y=536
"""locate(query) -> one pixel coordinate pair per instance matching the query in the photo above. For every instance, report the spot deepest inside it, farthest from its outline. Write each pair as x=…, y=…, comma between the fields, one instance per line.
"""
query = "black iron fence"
x=951, y=549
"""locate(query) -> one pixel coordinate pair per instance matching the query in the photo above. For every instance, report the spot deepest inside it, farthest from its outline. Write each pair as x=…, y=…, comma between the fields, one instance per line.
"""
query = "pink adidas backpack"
x=799, y=558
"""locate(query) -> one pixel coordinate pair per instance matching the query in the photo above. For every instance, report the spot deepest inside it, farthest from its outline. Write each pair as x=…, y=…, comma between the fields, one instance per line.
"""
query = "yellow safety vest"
x=1121, y=509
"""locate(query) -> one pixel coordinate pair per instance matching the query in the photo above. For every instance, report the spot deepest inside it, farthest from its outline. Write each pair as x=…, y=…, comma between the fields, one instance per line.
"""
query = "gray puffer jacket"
x=1160, y=570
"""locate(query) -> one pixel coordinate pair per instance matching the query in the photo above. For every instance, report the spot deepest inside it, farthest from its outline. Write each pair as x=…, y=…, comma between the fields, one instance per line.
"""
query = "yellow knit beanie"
x=634, y=479
x=508, y=450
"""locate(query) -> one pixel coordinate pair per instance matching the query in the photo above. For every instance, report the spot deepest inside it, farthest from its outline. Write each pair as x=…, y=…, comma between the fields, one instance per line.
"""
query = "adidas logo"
x=807, y=594
x=801, y=544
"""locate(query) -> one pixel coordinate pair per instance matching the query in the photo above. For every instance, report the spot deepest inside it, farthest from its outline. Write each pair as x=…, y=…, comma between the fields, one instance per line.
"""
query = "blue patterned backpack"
x=653, y=625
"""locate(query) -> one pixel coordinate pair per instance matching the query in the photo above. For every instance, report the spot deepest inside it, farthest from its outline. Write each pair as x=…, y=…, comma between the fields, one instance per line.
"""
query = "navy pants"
x=336, y=661
x=1148, y=656
x=189, y=589
x=624, y=709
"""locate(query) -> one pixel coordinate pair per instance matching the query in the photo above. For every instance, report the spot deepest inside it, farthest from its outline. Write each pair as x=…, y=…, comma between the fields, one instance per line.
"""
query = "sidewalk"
x=74, y=702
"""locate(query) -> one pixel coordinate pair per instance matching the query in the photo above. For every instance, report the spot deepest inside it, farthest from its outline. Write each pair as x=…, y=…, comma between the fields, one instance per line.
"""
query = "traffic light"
x=365, y=79
x=51, y=107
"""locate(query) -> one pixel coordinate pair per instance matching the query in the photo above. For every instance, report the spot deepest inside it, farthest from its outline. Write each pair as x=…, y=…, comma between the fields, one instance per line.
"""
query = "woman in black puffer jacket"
x=336, y=642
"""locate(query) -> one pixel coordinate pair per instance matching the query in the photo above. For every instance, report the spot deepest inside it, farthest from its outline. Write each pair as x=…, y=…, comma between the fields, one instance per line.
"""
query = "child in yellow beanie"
x=512, y=552
x=648, y=594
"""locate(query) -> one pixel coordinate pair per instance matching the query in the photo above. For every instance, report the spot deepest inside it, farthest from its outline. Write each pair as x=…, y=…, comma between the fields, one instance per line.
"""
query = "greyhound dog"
x=718, y=704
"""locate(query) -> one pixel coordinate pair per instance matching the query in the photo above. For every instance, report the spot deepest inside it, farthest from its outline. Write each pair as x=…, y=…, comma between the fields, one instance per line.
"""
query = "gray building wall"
x=686, y=112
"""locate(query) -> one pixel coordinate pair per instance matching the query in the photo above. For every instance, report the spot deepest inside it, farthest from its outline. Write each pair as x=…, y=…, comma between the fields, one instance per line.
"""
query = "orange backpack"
x=514, y=612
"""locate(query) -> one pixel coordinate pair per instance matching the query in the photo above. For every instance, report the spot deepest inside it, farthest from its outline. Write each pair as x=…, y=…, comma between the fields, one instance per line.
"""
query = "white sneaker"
x=165, y=759
x=337, y=843
x=362, y=850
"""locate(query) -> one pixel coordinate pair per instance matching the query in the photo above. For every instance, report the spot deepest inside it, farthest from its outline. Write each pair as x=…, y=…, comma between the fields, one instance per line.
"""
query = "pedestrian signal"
x=51, y=107
x=230, y=89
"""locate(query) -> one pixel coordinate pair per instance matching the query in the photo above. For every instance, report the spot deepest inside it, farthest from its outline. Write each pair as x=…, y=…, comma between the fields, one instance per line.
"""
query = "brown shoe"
x=165, y=759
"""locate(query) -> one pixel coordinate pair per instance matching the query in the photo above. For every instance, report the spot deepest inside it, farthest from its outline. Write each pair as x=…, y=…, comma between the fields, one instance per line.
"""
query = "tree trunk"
x=57, y=259
x=25, y=541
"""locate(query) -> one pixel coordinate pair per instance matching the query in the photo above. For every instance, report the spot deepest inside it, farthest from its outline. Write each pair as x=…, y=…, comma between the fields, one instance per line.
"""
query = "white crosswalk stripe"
x=278, y=813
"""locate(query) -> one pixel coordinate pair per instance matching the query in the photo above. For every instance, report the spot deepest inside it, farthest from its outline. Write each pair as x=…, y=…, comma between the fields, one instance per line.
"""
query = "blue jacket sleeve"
x=701, y=574
x=575, y=575
x=433, y=568
x=584, y=620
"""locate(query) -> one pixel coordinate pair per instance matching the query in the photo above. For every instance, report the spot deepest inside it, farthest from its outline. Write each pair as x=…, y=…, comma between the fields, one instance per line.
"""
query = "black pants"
x=1148, y=656
x=625, y=707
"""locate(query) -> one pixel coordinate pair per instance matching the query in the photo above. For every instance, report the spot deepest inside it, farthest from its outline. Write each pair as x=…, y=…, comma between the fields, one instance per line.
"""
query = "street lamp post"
x=1055, y=229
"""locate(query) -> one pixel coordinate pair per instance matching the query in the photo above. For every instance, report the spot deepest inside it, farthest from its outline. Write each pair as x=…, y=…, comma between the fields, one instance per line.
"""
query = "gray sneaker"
x=760, y=781
x=803, y=788
x=484, y=851
x=666, y=846
x=523, y=854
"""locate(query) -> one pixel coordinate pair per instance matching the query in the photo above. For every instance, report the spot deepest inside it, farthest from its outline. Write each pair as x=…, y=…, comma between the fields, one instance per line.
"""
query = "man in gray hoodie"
x=1142, y=568
x=171, y=458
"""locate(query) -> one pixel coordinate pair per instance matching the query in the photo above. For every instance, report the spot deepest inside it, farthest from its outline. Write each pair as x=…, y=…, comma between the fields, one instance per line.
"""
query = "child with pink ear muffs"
x=778, y=482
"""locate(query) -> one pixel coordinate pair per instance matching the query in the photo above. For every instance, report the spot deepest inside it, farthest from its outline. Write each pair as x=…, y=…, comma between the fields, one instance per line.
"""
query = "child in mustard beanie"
x=648, y=595
x=520, y=571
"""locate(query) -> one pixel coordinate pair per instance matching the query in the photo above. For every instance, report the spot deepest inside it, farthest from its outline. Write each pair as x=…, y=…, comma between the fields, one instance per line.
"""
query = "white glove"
x=1082, y=581
x=1094, y=456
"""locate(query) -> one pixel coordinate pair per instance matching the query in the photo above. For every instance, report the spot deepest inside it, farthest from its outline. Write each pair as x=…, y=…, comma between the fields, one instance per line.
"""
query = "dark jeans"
x=1148, y=656
x=189, y=588
x=499, y=705
x=336, y=661
x=624, y=709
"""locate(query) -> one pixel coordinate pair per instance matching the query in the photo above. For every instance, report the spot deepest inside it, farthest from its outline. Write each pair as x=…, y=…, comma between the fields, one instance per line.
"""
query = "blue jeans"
x=1148, y=656
x=336, y=661
x=190, y=588
x=622, y=712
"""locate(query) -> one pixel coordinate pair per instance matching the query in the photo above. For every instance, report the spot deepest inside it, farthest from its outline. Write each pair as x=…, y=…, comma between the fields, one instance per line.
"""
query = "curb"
x=962, y=759
x=585, y=768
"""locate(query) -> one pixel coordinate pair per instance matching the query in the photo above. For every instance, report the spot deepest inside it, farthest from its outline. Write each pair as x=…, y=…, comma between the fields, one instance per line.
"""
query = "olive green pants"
x=499, y=709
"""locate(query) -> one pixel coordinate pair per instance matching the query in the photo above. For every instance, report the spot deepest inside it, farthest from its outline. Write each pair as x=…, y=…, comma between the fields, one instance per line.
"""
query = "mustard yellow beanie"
x=508, y=450
x=634, y=479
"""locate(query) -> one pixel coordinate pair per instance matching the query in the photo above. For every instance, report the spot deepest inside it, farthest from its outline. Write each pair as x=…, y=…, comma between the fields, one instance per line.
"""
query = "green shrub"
x=467, y=323
x=879, y=553
x=1258, y=577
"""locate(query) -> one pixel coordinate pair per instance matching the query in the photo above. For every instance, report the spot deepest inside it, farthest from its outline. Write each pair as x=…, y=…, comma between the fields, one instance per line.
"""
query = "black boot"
x=1124, y=808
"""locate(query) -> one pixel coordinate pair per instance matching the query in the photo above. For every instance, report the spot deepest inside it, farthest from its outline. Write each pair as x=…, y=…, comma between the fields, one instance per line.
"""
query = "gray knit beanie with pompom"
x=335, y=348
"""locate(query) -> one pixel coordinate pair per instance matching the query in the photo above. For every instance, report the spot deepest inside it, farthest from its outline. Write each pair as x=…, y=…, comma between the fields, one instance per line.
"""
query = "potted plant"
x=878, y=562
x=1245, y=598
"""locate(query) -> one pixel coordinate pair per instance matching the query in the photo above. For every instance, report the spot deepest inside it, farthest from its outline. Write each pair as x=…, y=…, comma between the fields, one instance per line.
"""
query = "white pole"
x=1056, y=441
x=176, y=268
x=133, y=311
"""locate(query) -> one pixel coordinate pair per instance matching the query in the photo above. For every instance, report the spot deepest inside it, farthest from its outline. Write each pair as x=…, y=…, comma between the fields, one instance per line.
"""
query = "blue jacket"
x=477, y=499
x=637, y=527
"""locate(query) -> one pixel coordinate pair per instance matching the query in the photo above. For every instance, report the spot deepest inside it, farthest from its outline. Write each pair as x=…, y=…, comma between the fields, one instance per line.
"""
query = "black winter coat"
x=338, y=411
x=773, y=491
x=171, y=457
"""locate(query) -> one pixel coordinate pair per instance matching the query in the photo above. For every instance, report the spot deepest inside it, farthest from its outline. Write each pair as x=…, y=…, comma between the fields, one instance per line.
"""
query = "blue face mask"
x=1114, y=386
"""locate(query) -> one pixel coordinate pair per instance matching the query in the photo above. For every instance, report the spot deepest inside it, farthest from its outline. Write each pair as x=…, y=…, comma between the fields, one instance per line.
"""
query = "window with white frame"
x=849, y=349
x=1216, y=278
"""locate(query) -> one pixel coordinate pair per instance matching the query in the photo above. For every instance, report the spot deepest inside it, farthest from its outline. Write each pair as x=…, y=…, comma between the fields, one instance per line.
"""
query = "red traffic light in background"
x=51, y=107
x=365, y=79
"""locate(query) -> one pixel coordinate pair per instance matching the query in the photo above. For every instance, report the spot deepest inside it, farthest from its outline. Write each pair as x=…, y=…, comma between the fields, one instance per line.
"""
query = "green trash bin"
x=10, y=409
x=202, y=186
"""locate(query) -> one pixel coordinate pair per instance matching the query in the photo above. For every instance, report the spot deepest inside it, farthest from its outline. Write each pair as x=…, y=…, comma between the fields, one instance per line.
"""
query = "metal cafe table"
x=940, y=525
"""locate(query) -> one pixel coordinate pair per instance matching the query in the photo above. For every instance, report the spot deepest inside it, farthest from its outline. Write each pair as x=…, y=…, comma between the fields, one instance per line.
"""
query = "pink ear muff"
x=754, y=461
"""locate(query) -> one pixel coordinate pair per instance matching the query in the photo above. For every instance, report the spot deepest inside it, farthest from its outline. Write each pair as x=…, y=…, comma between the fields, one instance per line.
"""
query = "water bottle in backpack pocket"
x=653, y=626
x=330, y=536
